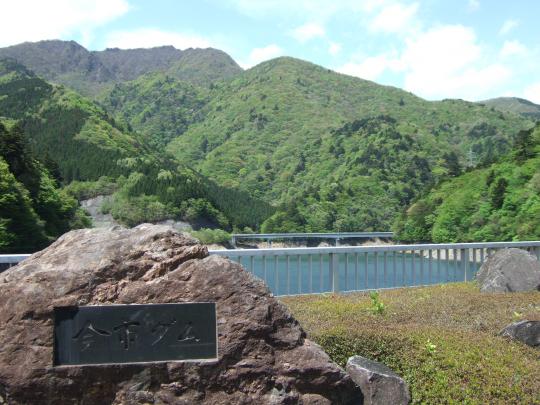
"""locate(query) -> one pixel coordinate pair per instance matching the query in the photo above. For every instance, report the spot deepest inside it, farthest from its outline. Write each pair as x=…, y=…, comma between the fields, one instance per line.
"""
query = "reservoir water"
x=289, y=275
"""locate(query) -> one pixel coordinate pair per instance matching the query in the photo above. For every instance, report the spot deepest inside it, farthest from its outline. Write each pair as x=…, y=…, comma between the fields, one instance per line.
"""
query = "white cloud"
x=26, y=20
x=370, y=68
x=443, y=62
x=513, y=48
x=151, y=37
x=471, y=84
x=258, y=55
x=448, y=62
x=508, y=26
x=448, y=48
x=313, y=9
x=473, y=5
x=308, y=31
x=532, y=93
x=394, y=18
x=334, y=48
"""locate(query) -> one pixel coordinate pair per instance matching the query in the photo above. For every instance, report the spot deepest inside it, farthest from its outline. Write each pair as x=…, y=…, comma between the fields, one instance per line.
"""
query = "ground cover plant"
x=442, y=339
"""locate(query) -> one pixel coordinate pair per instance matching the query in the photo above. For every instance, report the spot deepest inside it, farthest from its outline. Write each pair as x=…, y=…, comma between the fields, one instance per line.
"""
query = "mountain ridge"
x=516, y=105
x=86, y=145
x=299, y=135
x=90, y=72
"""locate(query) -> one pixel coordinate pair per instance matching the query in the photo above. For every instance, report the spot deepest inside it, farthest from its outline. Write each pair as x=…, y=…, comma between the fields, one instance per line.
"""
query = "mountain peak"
x=89, y=72
x=515, y=105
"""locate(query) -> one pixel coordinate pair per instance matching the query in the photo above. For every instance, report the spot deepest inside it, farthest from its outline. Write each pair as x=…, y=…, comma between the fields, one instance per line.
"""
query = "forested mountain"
x=516, y=105
x=33, y=210
x=90, y=72
x=497, y=202
x=157, y=106
x=331, y=151
x=64, y=127
x=327, y=147
x=78, y=141
x=198, y=66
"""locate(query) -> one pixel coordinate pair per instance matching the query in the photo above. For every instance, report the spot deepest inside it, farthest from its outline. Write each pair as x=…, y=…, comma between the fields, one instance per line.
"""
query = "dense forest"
x=80, y=143
x=332, y=151
x=284, y=146
x=299, y=136
x=500, y=201
x=33, y=209
x=157, y=106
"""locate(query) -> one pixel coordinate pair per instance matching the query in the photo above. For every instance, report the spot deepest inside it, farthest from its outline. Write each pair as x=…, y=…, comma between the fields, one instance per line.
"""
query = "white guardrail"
x=293, y=271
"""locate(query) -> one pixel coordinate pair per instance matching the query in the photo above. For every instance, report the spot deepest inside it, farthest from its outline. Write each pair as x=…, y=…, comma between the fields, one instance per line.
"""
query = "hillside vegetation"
x=443, y=340
x=497, y=202
x=33, y=209
x=331, y=152
x=157, y=106
x=311, y=140
x=80, y=142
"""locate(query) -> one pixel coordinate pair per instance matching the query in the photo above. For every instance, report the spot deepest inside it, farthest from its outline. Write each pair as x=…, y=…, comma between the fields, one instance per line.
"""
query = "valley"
x=286, y=146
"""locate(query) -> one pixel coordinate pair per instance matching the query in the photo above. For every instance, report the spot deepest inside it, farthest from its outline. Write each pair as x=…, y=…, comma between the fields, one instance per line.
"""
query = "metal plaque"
x=108, y=334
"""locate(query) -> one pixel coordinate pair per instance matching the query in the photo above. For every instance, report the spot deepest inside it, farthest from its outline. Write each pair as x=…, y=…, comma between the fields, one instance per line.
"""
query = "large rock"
x=509, y=270
x=379, y=384
x=264, y=357
x=527, y=332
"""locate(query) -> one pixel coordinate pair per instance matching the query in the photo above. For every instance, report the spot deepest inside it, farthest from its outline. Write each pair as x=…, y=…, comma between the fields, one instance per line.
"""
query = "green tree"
x=21, y=229
x=497, y=192
x=451, y=162
x=524, y=146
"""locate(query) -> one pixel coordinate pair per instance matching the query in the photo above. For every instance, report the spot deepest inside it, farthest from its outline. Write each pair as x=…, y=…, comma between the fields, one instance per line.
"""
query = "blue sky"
x=471, y=49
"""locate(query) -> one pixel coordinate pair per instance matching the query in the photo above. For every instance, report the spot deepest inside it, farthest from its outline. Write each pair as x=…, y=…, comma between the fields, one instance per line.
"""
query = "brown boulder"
x=264, y=356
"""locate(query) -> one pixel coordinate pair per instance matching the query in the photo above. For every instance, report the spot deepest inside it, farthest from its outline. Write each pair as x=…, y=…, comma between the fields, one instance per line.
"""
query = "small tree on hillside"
x=451, y=162
x=524, y=146
x=497, y=192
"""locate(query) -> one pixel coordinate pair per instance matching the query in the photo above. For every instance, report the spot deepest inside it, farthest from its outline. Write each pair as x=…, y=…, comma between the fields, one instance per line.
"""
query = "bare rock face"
x=527, y=332
x=380, y=385
x=509, y=270
x=264, y=357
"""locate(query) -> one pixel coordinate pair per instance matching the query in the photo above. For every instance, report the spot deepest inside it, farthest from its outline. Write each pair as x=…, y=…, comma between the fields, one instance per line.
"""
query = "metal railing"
x=6, y=261
x=293, y=271
x=269, y=237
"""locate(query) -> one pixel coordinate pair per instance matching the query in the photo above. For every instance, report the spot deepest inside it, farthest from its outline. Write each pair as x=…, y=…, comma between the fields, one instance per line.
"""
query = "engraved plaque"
x=109, y=334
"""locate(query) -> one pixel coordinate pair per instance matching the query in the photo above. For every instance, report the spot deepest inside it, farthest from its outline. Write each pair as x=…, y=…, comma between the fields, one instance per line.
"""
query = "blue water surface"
x=289, y=275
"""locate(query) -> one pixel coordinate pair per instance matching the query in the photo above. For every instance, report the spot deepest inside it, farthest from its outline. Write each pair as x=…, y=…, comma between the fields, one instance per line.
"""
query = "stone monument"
x=263, y=356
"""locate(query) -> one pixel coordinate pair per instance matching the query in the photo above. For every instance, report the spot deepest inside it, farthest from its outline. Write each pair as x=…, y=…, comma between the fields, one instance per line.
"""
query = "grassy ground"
x=443, y=340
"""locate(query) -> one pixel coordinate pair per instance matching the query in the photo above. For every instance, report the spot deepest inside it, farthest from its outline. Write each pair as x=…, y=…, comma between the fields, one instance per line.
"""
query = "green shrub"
x=140, y=209
x=377, y=307
x=83, y=190
x=195, y=209
x=209, y=236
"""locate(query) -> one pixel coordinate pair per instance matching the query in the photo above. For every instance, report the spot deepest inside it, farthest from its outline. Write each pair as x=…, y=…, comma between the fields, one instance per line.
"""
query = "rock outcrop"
x=527, y=332
x=509, y=270
x=264, y=357
x=379, y=384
